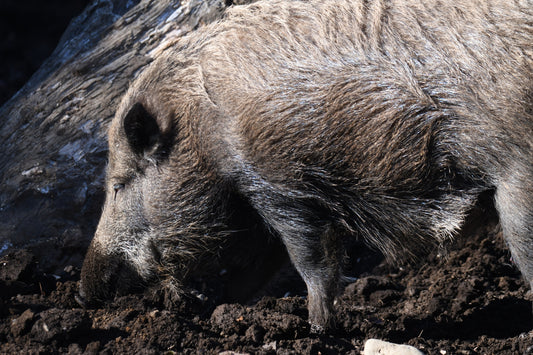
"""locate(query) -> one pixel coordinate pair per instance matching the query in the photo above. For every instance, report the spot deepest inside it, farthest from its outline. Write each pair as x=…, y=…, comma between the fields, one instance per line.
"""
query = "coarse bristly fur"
x=382, y=120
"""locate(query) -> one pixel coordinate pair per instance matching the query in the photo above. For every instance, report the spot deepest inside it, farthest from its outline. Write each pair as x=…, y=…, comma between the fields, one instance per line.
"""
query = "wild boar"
x=327, y=120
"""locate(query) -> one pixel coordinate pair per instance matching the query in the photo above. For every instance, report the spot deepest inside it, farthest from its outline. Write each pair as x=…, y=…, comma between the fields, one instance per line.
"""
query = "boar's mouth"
x=104, y=277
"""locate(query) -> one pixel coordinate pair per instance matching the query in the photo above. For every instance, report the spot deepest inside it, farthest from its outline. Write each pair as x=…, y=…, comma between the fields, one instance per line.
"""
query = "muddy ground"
x=470, y=300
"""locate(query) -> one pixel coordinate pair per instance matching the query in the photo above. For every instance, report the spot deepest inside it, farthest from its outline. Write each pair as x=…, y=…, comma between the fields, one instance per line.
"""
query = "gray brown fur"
x=383, y=120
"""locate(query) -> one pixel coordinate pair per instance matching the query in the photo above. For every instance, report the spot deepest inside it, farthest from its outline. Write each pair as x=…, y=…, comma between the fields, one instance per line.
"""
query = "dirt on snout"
x=470, y=301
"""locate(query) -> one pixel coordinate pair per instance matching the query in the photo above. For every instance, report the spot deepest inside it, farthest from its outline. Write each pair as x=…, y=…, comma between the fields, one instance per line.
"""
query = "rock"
x=380, y=347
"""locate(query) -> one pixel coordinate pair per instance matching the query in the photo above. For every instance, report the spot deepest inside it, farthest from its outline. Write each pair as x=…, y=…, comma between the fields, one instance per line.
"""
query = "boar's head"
x=162, y=210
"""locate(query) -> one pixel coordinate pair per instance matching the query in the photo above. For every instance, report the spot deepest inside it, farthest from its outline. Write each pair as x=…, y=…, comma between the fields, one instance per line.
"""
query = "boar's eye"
x=116, y=188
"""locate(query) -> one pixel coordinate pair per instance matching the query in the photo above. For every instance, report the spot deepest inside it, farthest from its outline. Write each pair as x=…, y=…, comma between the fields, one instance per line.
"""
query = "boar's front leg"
x=314, y=249
x=318, y=262
x=316, y=257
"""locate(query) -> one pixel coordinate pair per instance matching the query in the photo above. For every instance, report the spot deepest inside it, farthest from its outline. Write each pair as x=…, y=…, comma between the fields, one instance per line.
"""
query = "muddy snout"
x=105, y=276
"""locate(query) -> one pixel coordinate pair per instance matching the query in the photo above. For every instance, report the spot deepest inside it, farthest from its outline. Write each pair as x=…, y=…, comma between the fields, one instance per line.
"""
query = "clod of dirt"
x=60, y=324
x=234, y=319
x=229, y=319
x=17, y=266
x=22, y=324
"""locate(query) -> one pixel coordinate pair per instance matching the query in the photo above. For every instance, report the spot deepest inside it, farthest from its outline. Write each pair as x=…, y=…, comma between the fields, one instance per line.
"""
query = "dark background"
x=29, y=33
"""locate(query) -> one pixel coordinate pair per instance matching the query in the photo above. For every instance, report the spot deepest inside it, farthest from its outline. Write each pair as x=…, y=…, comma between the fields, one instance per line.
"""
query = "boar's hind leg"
x=514, y=202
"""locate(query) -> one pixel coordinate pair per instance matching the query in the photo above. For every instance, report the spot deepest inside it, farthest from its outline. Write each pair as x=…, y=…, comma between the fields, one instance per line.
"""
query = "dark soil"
x=471, y=300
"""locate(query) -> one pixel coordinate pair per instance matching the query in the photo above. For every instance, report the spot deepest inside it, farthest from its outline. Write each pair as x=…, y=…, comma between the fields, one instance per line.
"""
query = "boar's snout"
x=104, y=276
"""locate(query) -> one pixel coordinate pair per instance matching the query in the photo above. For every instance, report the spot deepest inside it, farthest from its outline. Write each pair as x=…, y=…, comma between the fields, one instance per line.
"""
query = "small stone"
x=380, y=347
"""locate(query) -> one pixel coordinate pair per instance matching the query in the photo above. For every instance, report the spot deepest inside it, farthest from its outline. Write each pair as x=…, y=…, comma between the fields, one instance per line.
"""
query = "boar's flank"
x=383, y=120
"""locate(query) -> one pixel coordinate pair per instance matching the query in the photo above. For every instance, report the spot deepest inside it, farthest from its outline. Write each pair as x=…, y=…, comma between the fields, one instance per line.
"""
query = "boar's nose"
x=96, y=278
x=104, y=276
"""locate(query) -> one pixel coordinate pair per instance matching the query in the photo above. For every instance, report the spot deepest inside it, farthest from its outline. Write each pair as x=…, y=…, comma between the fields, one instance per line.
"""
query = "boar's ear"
x=141, y=128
